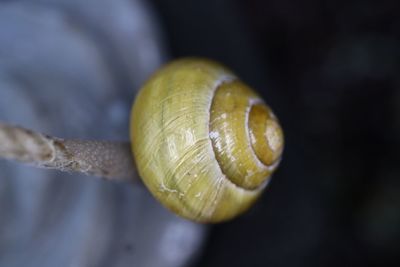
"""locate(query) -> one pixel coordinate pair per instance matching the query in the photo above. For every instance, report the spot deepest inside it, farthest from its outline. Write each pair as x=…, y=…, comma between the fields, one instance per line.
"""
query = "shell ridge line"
x=219, y=182
x=257, y=160
x=183, y=159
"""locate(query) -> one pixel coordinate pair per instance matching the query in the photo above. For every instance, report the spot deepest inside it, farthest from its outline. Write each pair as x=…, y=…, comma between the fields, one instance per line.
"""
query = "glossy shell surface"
x=205, y=144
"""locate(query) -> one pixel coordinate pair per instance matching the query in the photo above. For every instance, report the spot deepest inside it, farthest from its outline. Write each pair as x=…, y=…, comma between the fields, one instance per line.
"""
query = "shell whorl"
x=205, y=144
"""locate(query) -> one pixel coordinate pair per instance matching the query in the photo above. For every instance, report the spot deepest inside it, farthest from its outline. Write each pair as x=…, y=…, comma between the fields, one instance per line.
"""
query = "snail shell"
x=205, y=144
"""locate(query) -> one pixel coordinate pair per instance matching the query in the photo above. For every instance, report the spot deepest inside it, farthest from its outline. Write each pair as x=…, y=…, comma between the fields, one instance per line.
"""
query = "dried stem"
x=111, y=160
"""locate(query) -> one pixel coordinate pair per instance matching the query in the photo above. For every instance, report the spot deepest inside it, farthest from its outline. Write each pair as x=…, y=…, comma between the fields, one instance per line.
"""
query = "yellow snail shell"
x=205, y=144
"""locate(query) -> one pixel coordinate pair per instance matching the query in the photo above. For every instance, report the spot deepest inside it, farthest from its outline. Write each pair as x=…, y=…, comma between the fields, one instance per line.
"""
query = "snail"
x=205, y=144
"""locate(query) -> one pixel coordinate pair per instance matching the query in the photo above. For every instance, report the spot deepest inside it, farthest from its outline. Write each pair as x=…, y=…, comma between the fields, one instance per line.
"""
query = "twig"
x=111, y=160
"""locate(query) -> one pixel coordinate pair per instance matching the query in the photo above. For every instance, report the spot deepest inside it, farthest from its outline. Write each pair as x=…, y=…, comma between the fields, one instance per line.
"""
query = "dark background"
x=330, y=71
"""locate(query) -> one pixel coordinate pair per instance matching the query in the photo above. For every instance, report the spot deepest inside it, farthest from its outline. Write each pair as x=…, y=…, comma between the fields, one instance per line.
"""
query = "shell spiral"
x=205, y=144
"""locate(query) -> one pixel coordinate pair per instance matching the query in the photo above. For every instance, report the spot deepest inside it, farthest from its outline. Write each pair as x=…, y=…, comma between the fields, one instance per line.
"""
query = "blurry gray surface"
x=70, y=69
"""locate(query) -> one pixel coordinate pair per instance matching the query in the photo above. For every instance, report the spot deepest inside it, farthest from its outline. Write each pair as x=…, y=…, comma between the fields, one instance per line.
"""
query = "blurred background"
x=329, y=69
